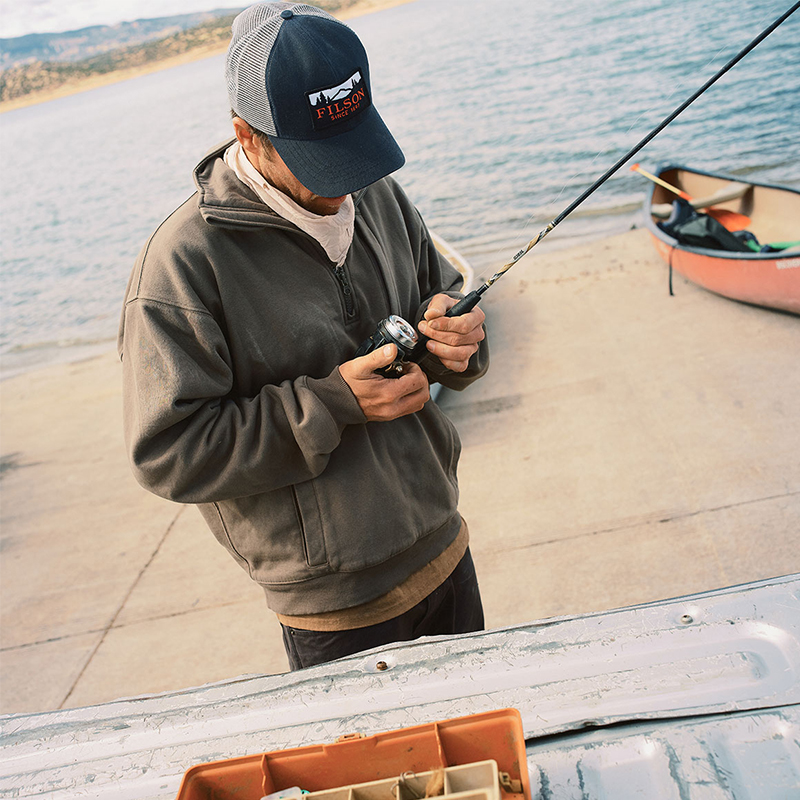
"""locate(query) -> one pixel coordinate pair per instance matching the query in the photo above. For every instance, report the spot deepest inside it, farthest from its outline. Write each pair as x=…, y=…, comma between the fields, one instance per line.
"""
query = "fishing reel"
x=394, y=330
x=410, y=344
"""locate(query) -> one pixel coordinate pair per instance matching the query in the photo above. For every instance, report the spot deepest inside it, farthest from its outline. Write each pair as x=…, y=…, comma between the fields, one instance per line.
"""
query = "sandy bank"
x=361, y=8
x=626, y=446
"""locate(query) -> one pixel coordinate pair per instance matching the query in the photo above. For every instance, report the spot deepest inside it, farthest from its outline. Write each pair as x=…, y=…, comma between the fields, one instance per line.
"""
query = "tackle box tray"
x=477, y=781
x=397, y=760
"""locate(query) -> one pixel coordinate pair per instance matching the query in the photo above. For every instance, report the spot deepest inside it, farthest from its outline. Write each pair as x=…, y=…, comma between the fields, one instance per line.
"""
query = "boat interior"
x=774, y=212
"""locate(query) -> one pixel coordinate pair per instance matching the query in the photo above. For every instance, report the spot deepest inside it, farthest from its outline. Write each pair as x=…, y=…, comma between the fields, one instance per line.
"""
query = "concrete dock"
x=626, y=446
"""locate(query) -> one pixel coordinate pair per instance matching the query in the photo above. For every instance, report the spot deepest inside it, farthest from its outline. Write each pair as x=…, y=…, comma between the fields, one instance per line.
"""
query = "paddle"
x=731, y=220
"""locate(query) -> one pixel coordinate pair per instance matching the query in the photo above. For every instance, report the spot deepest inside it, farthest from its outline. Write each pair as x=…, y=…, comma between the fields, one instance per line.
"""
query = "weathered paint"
x=691, y=698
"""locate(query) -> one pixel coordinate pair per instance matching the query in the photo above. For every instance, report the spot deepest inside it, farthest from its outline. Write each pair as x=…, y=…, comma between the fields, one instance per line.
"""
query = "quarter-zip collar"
x=333, y=232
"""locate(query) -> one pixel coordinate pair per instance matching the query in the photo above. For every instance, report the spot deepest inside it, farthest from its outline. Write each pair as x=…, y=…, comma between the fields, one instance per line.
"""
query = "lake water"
x=506, y=111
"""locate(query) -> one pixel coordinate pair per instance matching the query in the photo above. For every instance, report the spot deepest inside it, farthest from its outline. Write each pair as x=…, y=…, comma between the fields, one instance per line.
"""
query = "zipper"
x=338, y=272
x=379, y=271
x=347, y=292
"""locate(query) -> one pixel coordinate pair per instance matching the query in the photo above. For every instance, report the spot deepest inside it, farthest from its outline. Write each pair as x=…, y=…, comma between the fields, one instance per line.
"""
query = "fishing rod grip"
x=463, y=306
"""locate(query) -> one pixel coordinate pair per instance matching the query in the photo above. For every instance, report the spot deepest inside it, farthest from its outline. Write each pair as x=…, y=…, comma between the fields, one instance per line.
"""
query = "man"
x=333, y=486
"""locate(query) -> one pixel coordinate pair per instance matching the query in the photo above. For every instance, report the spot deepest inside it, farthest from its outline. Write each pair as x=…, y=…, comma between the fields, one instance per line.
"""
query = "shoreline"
x=32, y=358
x=96, y=81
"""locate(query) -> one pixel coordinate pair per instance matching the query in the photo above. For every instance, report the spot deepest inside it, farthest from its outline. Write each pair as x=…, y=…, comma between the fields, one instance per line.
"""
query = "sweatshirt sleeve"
x=438, y=276
x=190, y=440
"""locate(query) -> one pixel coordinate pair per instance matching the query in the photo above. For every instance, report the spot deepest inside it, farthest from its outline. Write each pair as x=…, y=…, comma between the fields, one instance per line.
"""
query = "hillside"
x=78, y=45
x=38, y=67
x=45, y=76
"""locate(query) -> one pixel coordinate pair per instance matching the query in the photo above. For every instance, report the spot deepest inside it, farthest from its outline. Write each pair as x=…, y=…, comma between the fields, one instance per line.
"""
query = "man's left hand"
x=454, y=340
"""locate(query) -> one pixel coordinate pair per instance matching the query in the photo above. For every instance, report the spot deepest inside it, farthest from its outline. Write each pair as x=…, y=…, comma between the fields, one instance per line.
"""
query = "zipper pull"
x=341, y=277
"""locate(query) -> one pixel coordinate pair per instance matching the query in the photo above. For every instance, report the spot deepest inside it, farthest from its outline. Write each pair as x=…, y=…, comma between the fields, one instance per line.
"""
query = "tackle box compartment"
x=356, y=764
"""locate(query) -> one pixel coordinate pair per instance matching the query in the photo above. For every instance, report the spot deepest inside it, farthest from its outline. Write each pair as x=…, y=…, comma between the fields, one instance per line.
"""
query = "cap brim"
x=344, y=163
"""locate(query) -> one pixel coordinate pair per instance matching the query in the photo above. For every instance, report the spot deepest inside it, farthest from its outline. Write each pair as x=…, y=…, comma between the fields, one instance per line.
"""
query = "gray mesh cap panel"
x=253, y=35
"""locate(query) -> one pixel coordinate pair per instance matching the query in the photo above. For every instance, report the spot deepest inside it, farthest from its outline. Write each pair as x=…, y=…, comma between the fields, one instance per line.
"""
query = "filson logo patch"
x=338, y=103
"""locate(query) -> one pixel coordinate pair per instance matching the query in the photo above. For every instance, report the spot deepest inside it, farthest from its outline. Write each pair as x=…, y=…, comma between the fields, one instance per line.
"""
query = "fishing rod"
x=471, y=300
x=411, y=345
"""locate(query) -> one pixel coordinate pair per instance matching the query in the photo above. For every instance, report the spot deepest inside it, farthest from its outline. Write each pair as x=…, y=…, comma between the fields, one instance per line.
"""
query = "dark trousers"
x=455, y=607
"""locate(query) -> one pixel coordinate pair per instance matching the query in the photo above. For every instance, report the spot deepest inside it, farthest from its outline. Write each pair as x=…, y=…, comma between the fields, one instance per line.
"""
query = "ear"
x=247, y=139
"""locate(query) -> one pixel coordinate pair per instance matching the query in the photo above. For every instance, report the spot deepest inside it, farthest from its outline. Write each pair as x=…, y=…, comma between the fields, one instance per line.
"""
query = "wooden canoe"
x=770, y=279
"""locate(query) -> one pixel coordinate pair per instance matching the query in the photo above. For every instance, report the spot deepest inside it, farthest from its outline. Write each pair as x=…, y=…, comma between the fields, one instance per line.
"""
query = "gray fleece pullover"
x=234, y=325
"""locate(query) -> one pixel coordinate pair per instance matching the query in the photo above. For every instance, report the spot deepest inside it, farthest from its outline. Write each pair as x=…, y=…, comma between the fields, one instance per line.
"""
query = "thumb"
x=380, y=357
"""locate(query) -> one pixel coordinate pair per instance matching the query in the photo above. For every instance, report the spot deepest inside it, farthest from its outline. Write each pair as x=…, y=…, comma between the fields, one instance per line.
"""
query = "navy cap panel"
x=338, y=165
x=332, y=54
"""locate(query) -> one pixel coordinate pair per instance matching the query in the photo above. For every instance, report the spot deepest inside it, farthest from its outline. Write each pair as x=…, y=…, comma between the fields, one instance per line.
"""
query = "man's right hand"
x=383, y=399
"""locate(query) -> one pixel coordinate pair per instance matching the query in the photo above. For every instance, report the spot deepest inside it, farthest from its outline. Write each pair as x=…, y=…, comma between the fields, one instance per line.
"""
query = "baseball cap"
x=302, y=77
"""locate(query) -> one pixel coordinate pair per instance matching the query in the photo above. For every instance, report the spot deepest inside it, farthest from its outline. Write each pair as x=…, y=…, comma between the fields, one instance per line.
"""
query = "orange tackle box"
x=386, y=765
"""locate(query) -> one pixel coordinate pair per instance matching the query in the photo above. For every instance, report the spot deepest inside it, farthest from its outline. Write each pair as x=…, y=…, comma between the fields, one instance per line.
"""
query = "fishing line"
x=410, y=347
x=472, y=299
x=542, y=213
x=676, y=89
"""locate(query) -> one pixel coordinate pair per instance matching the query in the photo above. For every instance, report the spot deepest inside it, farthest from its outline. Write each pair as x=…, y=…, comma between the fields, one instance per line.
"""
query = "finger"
x=416, y=398
x=455, y=366
x=391, y=399
x=462, y=324
x=450, y=355
x=413, y=380
x=439, y=305
x=454, y=338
